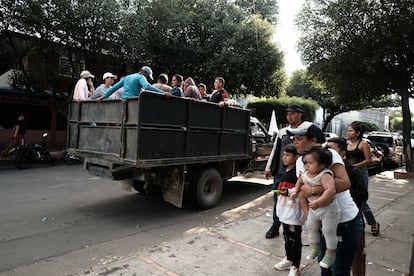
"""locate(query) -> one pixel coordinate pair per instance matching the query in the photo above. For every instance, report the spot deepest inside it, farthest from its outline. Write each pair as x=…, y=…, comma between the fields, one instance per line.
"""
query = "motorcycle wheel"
x=69, y=160
x=20, y=161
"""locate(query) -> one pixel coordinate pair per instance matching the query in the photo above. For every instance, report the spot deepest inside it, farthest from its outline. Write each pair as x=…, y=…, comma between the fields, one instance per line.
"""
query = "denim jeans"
x=366, y=210
x=349, y=235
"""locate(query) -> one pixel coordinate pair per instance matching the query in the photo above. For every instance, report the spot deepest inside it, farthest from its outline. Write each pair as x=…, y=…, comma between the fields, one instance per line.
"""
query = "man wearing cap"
x=108, y=79
x=133, y=85
x=350, y=225
x=275, y=165
x=84, y=87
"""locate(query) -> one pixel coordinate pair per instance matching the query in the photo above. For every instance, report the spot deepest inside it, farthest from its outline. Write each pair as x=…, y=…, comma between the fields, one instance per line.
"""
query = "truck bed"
x=153, y=130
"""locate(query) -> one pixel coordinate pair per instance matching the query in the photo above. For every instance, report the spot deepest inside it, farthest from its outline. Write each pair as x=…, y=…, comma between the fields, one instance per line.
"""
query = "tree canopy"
x=303, y=84
x=198, y=38
x=361, y=51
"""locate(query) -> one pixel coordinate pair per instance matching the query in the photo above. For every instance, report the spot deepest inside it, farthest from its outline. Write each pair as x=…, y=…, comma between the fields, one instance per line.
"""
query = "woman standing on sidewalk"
x=350, y=225
x=358, y=153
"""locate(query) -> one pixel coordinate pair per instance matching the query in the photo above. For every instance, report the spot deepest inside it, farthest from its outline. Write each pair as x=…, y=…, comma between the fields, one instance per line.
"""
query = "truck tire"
x=207, y=188
x=138, y=186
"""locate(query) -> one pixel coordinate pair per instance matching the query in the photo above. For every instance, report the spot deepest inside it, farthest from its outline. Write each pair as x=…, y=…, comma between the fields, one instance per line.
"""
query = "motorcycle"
x=71, y=159
x=24, y=156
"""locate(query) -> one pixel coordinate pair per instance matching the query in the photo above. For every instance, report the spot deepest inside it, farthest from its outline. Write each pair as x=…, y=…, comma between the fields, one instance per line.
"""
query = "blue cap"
x=147, y=70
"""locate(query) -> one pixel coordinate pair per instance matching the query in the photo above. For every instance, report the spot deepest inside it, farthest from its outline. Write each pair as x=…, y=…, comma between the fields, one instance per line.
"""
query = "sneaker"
x=285, y=264
x=273, y=232
x=293, y=271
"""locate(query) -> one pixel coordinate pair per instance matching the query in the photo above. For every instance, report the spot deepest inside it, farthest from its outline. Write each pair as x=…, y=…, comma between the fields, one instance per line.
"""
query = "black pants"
x=293, y=243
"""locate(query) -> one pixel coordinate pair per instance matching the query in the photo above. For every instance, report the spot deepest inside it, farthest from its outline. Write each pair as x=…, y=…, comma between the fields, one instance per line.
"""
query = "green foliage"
x=367, y=126
x=359, y=48
x=198, y=38
x=87, y=28
x=361, y=51
x=302, y=84
x=206, y=39
x=262, y=108
x=267, y=9
x=396, y=124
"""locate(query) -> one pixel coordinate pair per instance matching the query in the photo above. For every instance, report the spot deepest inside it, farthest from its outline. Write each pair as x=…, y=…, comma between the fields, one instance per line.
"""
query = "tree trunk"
x=328, y=119
x=408, y=151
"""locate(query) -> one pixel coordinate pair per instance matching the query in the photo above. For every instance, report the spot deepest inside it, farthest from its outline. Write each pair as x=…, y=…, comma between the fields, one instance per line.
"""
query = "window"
x=65, y=66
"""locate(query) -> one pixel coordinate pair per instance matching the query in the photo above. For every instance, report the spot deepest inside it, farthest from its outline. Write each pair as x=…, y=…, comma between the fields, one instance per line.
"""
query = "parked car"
x=259, y=131
x=261, y=144
x=391, y=145
x=377, y=158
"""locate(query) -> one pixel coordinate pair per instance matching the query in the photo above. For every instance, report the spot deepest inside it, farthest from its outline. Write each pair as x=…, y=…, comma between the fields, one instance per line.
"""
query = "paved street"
x=57, y=220
x=77, y=224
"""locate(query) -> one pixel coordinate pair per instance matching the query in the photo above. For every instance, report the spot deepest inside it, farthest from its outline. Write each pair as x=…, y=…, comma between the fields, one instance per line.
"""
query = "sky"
x=286, y=33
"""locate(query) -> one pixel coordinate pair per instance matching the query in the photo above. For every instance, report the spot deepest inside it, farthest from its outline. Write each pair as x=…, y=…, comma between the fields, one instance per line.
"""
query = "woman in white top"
x=350, y=221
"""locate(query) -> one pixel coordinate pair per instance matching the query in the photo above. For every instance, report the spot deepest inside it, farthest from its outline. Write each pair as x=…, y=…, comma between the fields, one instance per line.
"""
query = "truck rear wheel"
x=207, y=188
x=138, y=186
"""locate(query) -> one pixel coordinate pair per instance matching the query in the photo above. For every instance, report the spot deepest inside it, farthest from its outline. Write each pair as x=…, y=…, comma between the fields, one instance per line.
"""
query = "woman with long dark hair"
x=358, y=153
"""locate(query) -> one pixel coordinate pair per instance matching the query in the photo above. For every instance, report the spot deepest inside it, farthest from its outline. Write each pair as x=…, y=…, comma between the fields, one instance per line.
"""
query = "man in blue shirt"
x=133, y=85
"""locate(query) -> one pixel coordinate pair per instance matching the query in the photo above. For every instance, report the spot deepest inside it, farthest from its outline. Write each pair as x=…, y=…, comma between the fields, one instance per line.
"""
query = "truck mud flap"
x=173, y=185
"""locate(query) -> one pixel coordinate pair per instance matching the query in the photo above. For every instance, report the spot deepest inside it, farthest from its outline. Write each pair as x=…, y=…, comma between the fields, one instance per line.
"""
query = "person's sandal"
x=375, y=229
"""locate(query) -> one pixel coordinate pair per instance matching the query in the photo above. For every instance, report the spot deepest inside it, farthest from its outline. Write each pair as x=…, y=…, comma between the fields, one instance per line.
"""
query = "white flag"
x=273, y=124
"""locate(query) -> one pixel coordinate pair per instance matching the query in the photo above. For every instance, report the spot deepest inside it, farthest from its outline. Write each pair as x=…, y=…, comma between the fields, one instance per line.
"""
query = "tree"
x=302, y=84
x=396, y=124
x=204, y=39
x=82, y=29
x=267, y=9
x=362, y=50
x=198, y=38
x=262, y=108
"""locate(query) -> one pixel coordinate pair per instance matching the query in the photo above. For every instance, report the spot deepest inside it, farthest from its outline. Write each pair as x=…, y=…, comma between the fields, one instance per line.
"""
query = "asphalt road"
x=59, y=220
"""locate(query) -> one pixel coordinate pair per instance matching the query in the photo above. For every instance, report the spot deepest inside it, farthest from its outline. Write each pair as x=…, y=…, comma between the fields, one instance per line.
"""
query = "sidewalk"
x=238, y=246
